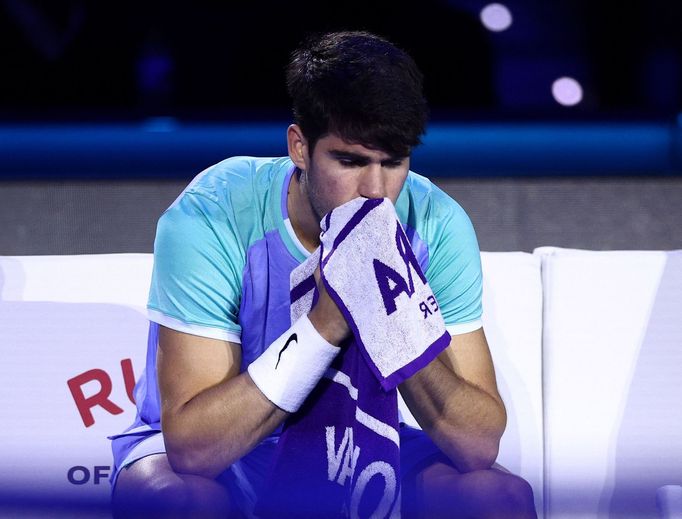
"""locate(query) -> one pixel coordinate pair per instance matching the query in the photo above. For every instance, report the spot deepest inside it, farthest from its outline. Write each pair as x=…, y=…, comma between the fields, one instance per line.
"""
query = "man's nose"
x=372, y=183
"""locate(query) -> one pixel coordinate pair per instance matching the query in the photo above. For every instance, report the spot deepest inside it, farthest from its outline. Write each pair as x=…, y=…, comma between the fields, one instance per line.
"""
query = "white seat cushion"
x=612, y=379
x=72, y=327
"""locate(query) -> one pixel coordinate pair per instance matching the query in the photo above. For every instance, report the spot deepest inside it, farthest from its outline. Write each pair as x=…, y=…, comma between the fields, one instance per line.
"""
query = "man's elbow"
x=481, y=456
x=477, y=450
x=185, y=457
x=486, y=446
x=184, y=460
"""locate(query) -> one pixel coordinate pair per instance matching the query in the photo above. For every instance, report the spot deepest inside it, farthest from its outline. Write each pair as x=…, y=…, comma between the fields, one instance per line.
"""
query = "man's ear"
x=298, y=147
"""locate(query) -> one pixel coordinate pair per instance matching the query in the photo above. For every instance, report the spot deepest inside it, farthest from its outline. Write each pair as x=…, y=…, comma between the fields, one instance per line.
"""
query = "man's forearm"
x=463, y=420
x=207, y=433
x=218, y=426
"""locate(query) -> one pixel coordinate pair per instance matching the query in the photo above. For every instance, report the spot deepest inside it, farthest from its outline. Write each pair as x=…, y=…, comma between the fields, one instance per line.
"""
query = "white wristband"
x=289, y=369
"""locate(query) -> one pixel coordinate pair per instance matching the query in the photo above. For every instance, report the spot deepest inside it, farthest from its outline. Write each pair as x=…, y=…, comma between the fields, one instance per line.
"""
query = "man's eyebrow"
x=358, y=157
x=342, y=154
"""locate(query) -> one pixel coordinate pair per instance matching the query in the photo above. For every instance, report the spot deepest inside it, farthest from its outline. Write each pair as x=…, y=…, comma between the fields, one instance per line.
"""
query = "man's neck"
x=301, y=215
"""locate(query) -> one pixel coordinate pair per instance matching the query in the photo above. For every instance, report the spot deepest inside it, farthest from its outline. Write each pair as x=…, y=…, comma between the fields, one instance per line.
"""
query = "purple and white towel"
x=371, y=272
x=339, y=455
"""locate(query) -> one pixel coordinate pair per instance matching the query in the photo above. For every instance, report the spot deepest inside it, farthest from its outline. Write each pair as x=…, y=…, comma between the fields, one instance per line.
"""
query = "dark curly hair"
x=360, y=87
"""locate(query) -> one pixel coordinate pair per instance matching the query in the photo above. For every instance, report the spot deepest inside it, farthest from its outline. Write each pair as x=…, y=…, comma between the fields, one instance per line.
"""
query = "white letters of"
x=346, y=453
x=376, y=468
x=341, y=463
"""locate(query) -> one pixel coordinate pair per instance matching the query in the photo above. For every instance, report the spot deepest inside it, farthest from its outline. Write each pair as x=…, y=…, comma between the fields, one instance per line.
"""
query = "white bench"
x=587, y=347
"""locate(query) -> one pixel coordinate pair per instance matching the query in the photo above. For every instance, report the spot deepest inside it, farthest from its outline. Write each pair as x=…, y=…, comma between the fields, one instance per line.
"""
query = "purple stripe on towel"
x=302, y=288
x=409, y=369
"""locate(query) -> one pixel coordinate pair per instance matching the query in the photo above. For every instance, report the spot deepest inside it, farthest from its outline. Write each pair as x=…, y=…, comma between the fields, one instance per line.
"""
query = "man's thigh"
x=145, y=470
x=149, y=488
x=433, y=488
x=417, y=454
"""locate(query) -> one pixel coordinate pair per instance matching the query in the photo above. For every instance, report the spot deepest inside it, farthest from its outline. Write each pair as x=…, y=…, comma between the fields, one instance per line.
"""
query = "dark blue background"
x=152, y=89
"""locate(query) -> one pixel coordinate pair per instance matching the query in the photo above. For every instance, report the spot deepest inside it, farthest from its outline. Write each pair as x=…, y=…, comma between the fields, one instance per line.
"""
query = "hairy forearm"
x=462, y=419
x=218, y=426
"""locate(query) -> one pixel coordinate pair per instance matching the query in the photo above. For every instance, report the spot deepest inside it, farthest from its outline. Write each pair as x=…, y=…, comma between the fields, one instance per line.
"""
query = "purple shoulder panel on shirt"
x=264, y=308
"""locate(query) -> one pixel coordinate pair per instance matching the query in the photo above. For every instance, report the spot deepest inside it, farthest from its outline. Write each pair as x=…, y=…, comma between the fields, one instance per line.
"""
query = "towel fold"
x=371, y=272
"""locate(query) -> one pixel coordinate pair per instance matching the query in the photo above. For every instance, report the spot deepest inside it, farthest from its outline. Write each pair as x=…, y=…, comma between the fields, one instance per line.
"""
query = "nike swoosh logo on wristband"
x=292, y=338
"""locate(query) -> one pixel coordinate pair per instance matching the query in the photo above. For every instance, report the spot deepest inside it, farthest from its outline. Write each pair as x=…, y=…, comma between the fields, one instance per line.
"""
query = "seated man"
x=205, y=434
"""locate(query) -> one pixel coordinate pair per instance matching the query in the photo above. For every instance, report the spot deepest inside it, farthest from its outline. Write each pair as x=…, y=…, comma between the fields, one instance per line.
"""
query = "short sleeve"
x=198, y=264
x=454, y=269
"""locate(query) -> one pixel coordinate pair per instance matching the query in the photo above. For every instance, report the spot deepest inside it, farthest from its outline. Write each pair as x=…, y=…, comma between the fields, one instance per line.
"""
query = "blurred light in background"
x=83, y=60
x=567, y=91
x=496, y=17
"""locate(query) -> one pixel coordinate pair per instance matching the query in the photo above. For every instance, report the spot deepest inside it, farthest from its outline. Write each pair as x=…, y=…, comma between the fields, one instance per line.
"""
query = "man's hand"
x=326, y=316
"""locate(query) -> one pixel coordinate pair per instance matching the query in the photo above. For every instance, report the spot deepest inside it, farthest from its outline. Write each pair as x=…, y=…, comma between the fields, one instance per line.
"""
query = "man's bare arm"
x=211, y=414
x=455, y=400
